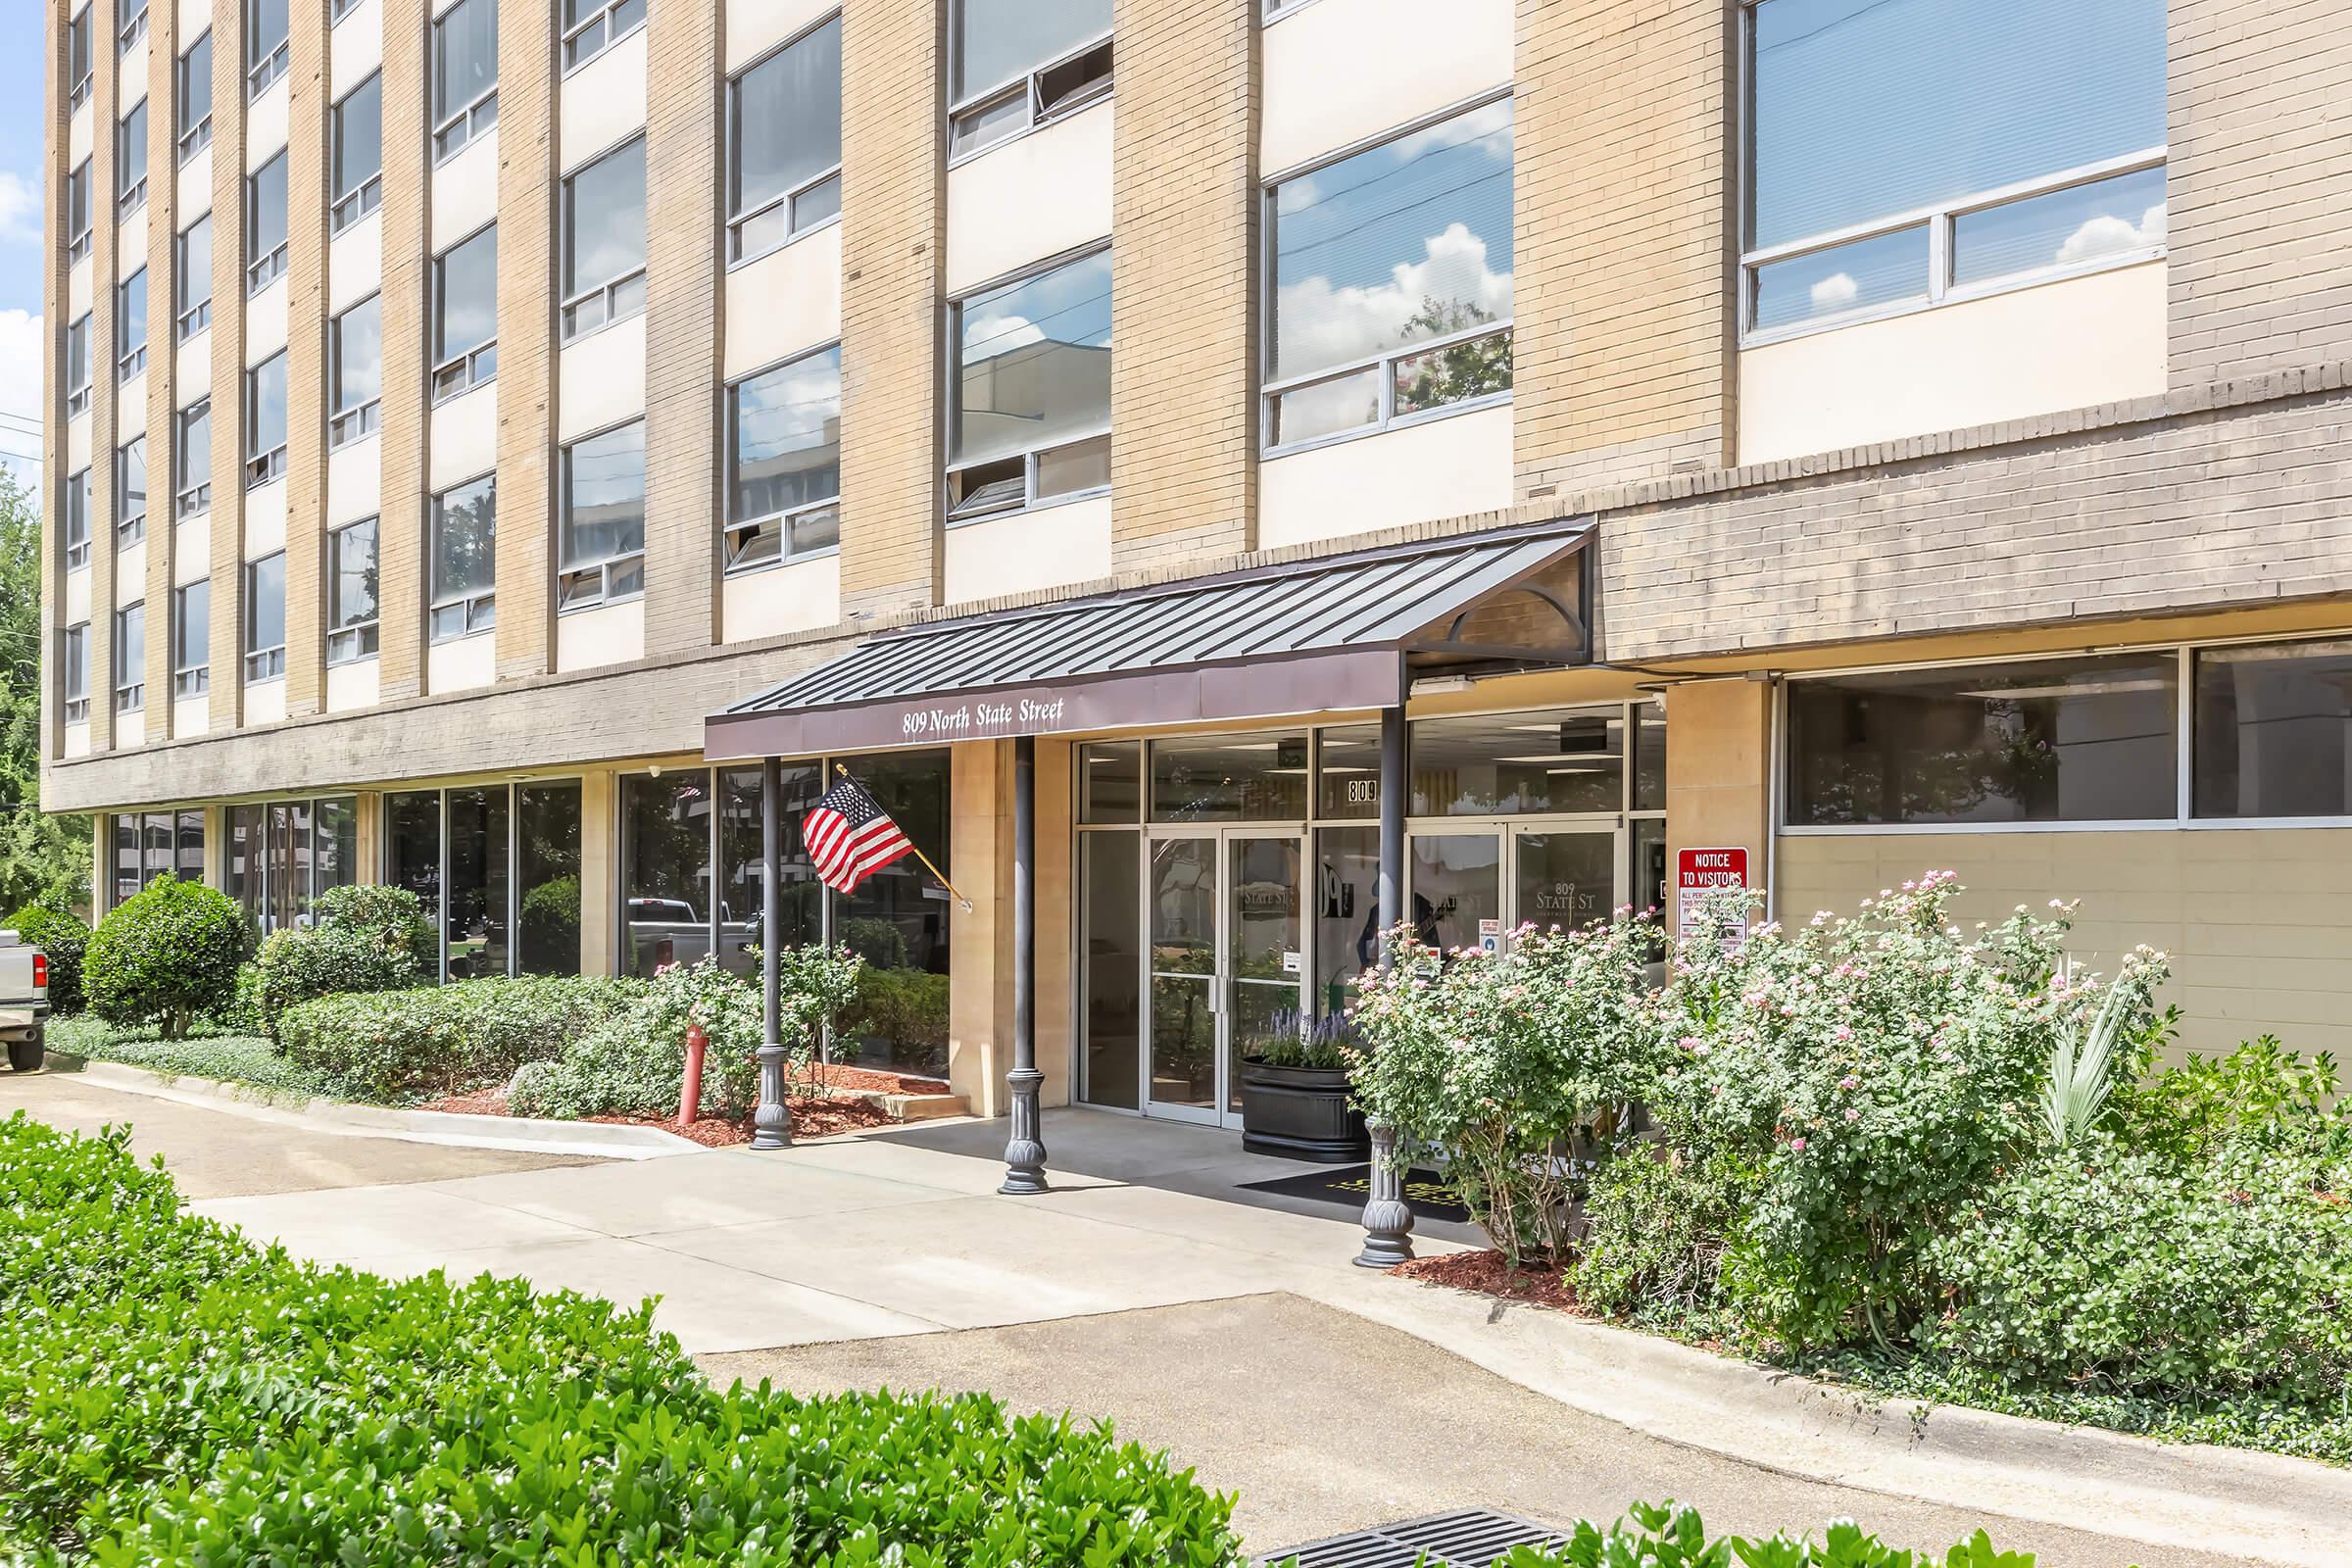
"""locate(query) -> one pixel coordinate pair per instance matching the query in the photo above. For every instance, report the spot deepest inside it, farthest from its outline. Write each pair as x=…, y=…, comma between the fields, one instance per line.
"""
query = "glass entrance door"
x=1468, y=880
x=1226, y=964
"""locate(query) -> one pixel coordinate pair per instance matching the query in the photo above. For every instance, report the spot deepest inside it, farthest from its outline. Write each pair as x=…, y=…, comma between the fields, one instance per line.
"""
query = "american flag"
x=850, y=837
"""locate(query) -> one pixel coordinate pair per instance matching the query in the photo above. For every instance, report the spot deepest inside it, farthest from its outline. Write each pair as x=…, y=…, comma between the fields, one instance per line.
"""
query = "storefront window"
x=1347, y=913
x=547, y=864
x=1650, y=867
x=286, y=869
x=242, y=864
x=479, y=876
x=188, y=855
x=1110, y=779
x=1457, y=882
x=145, y=847
x=2274, y=730
x=2048, y=741
x=740, y=902
x=1649, y=758
x=1348, y=776
x=336, y=845
x=128, y=880
x=1111, y=903
x=1229, y=778
x=413, y=847
x=1511, y=764
x=666, y=869
x=1565, y=880
x=896, y=921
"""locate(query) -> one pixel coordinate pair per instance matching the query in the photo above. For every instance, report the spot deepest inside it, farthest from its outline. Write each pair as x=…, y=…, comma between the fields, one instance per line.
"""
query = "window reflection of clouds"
x=788, y=437
x=1033, y=361
x=1405, y=240
x=608, y=220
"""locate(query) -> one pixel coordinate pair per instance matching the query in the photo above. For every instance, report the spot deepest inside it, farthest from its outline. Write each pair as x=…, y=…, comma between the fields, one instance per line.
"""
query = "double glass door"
x=1470, y=881
x=1227, y=960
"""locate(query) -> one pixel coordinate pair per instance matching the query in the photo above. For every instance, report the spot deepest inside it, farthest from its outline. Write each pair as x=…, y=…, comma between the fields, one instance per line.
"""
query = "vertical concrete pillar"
x=1719, y=773
x=526, y=363
x=980, y=939
x=1057, y=922
x=306, y=368
x=406, y=268
x=55, y=121
x=600, y=875
x=1185, y=222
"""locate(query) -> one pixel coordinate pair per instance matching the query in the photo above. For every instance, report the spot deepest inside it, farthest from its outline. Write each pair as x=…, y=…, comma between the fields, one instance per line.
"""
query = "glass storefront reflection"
x=1456, y=882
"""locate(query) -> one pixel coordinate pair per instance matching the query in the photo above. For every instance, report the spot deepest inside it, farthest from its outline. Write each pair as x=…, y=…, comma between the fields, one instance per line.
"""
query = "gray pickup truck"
x=24, y=1000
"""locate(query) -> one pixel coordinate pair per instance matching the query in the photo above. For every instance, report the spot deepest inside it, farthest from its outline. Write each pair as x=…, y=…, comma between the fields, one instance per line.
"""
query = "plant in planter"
x=1295, y=1101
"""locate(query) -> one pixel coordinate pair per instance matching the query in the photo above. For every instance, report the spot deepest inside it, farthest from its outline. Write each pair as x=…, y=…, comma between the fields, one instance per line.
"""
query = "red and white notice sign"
x=1698, y=872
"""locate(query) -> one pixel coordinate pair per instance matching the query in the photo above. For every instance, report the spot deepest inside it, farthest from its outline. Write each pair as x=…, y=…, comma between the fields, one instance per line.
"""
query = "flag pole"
x=917, y=852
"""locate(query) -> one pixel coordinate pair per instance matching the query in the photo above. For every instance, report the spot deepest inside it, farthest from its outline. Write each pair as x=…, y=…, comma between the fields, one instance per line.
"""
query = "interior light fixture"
x=1438, y=685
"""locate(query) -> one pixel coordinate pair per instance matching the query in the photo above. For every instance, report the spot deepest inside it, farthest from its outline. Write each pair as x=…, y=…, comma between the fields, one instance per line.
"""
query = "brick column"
x=55, y=154
x=894, y=210
x=1623, y=241
x=2259, y=180
x=1183, y=212
x=406, y=268
x=526, y=363
x=104, y=421
x=306, y=366
x=163, y=450
x=225, y=709
x=683, y=240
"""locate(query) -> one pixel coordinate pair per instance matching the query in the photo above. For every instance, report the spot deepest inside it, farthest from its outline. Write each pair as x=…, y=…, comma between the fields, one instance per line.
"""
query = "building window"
x=2274, y=730
x=265, y=44
x=266, y=619
x=266, y=421
x=465, y=313
x=130, y=161
x=604, y=241
x=1030, y=418
x=282, y=855
x=1392, y=293
x=192, y=453
x=130, y=659
x=130, y=492
x=465, y=75
x=337, y=9
x=133, y=23
x=465, y=560
x=508, y=858
x=601, y=526
x=192, y=639
x=784, y=462
x=266, y=225
x=78, y=367
x=154, y=845
x=2041, y=741
x=192, y=277
x=77, y=58
x=355, y=372
x=77, y=520
x=356, y=168
x=74, y=666
x=676, y=828
x=195, y=97
x=591, y=26
x=1900, y=155
x=784, y=135
x=78, y=213
x=131, y=325
x=1021, y=63
x=351, y=610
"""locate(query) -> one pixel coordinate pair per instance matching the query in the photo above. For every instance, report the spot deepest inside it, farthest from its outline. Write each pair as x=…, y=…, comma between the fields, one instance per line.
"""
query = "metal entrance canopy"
x=1330, y=634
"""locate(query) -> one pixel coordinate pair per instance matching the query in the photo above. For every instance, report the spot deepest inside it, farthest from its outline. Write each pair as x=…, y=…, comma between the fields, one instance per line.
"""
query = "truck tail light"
x=40, y=971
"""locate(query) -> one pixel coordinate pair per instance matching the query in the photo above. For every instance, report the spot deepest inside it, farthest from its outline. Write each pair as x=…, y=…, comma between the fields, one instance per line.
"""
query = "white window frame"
x=78, y=398
x=133, y=358
x=789, y=200
x=1028, y=85
x=735, y=535
x=132, y=32
x=77, y=243
x=199, y=315
x=76, y=504
x=190, y=680
x=479, y=609
x=604, y=569
x=337, y=9
x=264, y=270
x=610, y=297
x=73, y=706
x=263, y=467
x=1032, y=457
x=607, y=36
x=262, y=664
x=360, y=419
x=130, y=200
x=195, y=138
x=456, y=130
x=129, y=529
x=478, y=364
x=190, y=500
x=260, y=74
x=346, y=207
x=359, y=641
x=131, y=696
x=1271, y=390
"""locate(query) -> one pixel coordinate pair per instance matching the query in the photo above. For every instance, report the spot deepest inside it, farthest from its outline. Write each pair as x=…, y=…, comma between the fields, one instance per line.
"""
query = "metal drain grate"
x=1471, y=1539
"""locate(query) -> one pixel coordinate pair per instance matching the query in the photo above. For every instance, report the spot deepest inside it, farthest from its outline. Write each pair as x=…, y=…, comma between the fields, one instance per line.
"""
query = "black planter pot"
x=1301, y=1113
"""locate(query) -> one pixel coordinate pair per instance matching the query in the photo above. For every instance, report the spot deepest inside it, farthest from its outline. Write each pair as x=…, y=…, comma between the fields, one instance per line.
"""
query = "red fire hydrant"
x=691, y=1100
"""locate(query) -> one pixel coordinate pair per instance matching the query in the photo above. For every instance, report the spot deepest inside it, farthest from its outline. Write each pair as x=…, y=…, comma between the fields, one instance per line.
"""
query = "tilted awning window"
x=1332, y=634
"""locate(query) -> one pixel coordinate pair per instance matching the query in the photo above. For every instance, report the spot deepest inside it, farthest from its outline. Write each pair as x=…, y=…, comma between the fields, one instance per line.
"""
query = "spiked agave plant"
x=2082, y=1064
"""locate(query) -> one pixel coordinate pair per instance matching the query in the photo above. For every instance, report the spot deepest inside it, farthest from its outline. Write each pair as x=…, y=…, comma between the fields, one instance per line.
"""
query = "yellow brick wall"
x=526, y=430
x=163, y=224
x=306, y=368
x=407, y=263
x=53, y=388
x=104, y=434
x=227, y=703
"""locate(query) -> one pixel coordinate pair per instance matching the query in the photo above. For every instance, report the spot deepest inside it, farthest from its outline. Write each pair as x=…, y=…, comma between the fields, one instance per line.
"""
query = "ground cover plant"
x=206, y=1052
x=171, y=1394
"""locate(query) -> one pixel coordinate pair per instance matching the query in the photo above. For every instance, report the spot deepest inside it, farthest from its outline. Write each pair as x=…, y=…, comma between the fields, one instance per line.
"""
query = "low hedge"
x=224, y=1057
x=1664, y=1536
x=392, y=1046
x=171, y=1394
x=363, y=937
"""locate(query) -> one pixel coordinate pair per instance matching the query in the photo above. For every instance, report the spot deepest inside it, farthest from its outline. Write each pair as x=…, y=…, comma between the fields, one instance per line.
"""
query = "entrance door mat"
x=1348, y=1186
x=1472, y=1539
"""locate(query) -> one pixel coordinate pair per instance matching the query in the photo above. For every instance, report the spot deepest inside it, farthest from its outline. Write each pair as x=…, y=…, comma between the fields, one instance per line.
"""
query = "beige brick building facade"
x=1374, y=279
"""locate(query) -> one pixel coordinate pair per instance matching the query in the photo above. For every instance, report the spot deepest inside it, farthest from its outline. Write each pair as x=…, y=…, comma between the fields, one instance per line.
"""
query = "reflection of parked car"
x=665, y=931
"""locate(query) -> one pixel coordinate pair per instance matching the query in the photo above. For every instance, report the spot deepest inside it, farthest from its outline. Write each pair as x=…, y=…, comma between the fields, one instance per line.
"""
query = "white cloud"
x=1324, y=325
x=1835, y=292
x=2110, y=235
x=20, y=209
x=992, y=334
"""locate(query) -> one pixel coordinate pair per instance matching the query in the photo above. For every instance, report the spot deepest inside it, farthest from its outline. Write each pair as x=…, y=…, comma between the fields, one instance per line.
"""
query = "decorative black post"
x=1025, y=1150
x=1387, y=1218
x=771, y=1121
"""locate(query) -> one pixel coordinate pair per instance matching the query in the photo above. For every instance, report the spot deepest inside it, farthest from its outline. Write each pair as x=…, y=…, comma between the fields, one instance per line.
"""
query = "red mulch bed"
x=1488, y=1274
x=813, y=1116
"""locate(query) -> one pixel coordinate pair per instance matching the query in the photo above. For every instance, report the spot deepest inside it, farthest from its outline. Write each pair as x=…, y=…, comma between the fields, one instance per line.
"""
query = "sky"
x=21, y=88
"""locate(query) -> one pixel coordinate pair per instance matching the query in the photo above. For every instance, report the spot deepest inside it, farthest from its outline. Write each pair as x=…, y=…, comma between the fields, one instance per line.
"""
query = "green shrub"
x=58, y=932
x=1664, y=1536
x=166, y=954
x=364, y=939
x=393, y=1046
x=1657, y=1226
x=1504, y=1062
x=550, y=930
x=243, y=1014
x=2260, y=1092
x=171, y=1394
x=906, y=1009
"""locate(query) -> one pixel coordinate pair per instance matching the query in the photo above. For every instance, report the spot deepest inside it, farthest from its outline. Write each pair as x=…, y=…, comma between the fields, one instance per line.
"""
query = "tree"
x=37, y=853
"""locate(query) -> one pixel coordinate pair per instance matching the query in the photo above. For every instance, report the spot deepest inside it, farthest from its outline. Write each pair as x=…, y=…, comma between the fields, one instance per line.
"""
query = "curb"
x=515, y=1134
x=2265, y=1508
